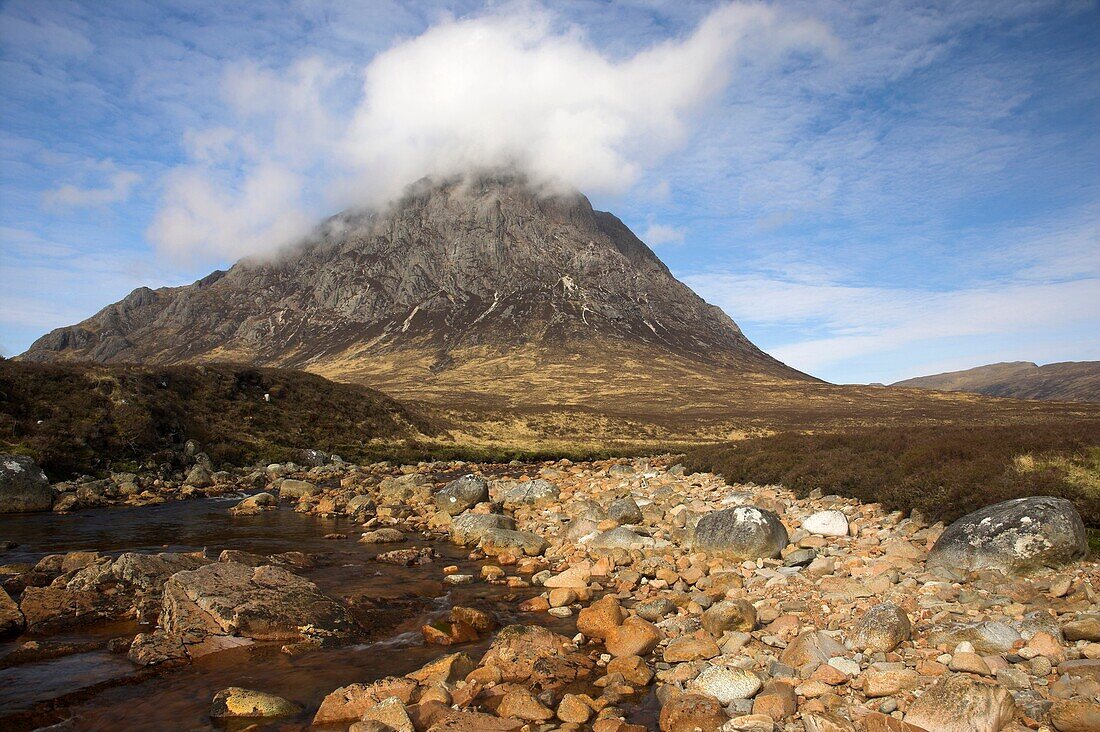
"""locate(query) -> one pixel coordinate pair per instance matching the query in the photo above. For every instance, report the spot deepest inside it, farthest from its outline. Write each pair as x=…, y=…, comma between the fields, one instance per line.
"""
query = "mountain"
x=1071, y=381
x=463, y=290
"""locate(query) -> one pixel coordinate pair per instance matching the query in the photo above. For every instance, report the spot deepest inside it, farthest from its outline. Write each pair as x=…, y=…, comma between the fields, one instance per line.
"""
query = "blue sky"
x=873, y=190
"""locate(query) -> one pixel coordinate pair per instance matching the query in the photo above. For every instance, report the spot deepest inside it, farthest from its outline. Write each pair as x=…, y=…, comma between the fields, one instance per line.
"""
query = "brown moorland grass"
x=942, y=471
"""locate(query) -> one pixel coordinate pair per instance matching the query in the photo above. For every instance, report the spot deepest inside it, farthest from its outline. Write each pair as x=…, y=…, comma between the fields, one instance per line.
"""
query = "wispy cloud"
x=660, y=234
x=112, y=186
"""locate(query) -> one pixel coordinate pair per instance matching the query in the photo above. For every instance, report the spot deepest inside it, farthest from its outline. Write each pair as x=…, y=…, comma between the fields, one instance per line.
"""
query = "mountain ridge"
x=1071, y=381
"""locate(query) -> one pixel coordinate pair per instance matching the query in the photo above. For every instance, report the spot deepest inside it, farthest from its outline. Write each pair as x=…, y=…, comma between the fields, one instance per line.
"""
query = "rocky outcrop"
x=23, y=486
x=1021, y=535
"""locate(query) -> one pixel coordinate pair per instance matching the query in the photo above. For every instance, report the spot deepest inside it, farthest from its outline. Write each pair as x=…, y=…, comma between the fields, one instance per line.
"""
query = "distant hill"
x=90, y=418
x=1071, y=381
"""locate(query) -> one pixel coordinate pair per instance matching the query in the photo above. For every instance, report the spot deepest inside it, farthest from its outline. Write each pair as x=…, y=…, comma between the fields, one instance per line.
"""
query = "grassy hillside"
x=944, y=472
x=85, y=418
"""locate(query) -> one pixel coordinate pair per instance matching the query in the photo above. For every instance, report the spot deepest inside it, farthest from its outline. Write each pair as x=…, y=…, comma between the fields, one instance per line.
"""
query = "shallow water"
x=116, y=694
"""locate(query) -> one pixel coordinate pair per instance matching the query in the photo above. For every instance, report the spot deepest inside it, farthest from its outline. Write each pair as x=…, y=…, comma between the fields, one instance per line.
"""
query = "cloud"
x=657, y=234
x=115, y=186
x=514, y=87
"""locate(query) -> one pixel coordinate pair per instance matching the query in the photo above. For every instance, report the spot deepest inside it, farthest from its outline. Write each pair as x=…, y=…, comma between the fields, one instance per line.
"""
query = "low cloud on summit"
x=518, y=87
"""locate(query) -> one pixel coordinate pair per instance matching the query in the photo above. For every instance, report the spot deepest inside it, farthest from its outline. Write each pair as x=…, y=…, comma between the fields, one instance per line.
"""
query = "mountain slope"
x=467, y=292
x=1071, y=381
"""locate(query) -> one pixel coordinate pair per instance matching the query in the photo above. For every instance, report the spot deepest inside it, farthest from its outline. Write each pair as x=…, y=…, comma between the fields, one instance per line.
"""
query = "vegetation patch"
x=944, y=472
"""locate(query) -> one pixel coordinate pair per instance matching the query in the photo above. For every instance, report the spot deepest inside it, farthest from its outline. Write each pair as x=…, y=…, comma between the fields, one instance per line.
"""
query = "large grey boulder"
x=529, y=493
x=620, y=538
x=461, y=494
x=469, y=528
x=744, y=532
x=625, y=511
x=1017, y=536
x=23, y=486
x=294, y=489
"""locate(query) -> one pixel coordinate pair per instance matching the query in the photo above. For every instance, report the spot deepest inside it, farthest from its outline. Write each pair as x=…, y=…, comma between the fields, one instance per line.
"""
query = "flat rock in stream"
x=262, y=603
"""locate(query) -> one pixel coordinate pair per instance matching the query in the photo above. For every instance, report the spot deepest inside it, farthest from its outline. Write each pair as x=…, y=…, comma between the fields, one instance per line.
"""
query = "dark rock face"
x=461, y=494
x=1021, y=535
x=744, y=532
x=489, y=265
x=23, y=486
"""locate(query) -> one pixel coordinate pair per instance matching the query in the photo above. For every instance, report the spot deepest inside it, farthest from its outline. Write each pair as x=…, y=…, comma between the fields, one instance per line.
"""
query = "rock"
x=726, y=684
x=157, y=649
x=1087, y=629
x=462, y=494
x=464, y=721
x=199, y=476
x=749, y=723
x=360, y=506
x=1019, y=536
x=879, y=682
x=446, y=670
x=962, y=704
x=238, y=702
x=599, y=618
x=812, y=647
x=576, y=577
x=23, y=485
x=574, y=709
x=990, y=637
x=349, y=703
x=519, y=703
x=688, y=648
x=826, y=722
x=501, y=541
x=391, y=714
x=777, y=700
x=11, y=618
x=619, y=538
x=655, y=609
x=580, y=531
x=382, y=536
x=255, y=504
x=690, y=713
x=743, y=532
x=635, y=637
x=881, y=629
x=469, y=528
x=263, y=603
x=827, y=523
x=295, y=489
x=535, y=656
x=1075, y=715
x=530, y=493
x=969, y=663
x=736, y=615
x=625, y=511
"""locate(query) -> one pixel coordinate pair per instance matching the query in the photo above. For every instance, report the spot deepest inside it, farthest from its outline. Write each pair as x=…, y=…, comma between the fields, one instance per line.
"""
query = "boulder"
x=692, y=712
x=989, y=637
x=351, y=702
x=635, y=637
x=23, y=486
x=238, y=702
x=255, y=504
x=1017, y=536
x=738, y=615
x=1076, y=715
x=726, y=684
x=620, y=538
x=625, y=511
x=812, y=647
x=500, y=541
x=827, y=523
x=530, y=493
x=742, y=532
x=262, y=603
x=462, y=494
x=535, y=656
x=11, y=618
x=469, y=528
x=881, y=629
x=597, y=620
x=384, y=535
x=295, y=489
x=959, y=703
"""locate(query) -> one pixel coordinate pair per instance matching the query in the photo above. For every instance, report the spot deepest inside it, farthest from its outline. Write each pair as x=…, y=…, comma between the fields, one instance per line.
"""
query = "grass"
x=944, y=472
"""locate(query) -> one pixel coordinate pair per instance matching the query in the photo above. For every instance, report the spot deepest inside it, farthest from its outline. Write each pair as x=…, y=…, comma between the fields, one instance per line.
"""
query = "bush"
x=944, y=472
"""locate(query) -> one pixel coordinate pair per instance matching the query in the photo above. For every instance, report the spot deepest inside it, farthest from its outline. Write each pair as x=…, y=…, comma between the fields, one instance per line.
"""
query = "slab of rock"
x=263, y=603
x=535, y=656
x=237, y=702
x=962, y=704
x=743, y=532
x=351, y=702
x=1017, y=536
x=462, y=494
x=530, y=493
x=24, y=487
x=620, y=538
x=295, y=489
x=827, y=523
x=881, y=629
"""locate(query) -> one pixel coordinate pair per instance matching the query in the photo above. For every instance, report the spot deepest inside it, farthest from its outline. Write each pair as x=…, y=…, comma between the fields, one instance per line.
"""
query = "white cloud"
x=512, y=87
x=658, y=234
x=114, y=187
